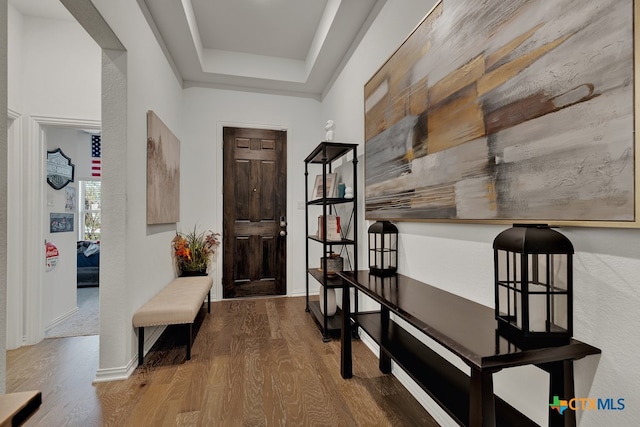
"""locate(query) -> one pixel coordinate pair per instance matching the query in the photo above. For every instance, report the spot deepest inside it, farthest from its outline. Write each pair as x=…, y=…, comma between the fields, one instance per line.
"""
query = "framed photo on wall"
x=60, y=222
x=319, y=190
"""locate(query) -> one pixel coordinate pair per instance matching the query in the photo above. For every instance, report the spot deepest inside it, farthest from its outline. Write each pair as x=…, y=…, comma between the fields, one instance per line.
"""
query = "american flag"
x=96, y=152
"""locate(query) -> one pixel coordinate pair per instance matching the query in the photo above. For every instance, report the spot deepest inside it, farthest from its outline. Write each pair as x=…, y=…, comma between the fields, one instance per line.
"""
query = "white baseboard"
x=116, y=374
x=62, y=318
x=122, y=373
x=298, y=294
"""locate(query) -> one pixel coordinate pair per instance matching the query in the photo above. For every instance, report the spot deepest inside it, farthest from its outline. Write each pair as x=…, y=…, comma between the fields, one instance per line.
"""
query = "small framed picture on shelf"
x=318, y=189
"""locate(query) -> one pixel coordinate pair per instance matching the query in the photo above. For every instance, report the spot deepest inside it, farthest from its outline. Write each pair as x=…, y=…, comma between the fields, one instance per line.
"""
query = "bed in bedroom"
x=88, y=263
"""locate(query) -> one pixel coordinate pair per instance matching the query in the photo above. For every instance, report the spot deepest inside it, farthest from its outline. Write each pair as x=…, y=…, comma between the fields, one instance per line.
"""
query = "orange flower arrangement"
x=193, y=250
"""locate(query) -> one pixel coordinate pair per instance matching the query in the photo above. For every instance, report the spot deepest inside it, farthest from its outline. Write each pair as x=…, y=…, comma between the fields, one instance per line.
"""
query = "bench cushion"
x=178, y=302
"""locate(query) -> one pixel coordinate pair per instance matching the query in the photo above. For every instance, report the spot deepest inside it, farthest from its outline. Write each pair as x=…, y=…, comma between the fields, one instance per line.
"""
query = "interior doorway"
x=29, y=315
x=72, y=286
x=254, y=244
x=71, y=281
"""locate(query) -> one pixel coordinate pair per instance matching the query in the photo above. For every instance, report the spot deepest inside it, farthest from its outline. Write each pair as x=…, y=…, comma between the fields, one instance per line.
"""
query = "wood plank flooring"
x=255, y=362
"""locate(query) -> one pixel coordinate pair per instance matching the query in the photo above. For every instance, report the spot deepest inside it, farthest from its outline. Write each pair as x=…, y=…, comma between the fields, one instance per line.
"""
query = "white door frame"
x=15, y=210
x=33, y=176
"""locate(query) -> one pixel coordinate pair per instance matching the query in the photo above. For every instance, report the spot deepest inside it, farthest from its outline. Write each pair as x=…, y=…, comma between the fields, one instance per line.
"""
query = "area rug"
x=85, y=321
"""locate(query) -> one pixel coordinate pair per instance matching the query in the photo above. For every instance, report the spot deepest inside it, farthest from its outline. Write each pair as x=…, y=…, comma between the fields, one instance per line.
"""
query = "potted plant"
x=193, y=250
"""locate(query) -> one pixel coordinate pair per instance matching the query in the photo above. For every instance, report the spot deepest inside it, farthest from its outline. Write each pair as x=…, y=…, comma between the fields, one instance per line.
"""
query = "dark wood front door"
x=254, y=241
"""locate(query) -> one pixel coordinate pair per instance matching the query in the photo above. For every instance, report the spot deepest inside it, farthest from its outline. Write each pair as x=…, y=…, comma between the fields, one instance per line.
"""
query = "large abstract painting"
x=519, y=110
x=163, y=172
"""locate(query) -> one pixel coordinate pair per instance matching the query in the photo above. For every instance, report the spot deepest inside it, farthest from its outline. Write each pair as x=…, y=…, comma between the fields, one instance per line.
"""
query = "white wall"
x=135, y=258
x=14, y=52
x=3, y=198
x=206, y=111
x=60, y=70
x=53, y=76
x=458, y=257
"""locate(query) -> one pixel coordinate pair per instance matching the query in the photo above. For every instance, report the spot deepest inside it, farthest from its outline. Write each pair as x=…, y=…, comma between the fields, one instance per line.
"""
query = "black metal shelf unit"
x=324, y=155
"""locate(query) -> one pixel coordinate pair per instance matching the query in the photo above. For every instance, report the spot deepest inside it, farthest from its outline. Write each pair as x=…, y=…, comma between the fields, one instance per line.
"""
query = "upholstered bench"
x=177, y=303
x=16, y=408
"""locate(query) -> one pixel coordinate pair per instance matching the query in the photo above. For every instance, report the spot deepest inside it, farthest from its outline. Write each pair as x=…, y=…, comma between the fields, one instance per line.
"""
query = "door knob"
x=283, y=233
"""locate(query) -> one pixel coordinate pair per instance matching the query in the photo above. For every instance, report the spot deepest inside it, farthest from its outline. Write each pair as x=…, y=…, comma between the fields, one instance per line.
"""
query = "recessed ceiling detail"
x=293, y=47
x=289, y=47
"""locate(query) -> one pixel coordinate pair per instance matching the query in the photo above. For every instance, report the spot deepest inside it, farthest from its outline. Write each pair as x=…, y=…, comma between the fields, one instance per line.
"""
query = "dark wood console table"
x=465, y=328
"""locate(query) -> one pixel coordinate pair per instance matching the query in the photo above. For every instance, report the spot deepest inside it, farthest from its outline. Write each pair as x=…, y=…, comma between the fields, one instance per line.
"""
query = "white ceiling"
x=50, y=9
x=293, y=47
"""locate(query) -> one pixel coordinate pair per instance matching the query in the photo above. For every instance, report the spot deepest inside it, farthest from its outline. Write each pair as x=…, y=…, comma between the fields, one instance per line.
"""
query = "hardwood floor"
x=255, y=362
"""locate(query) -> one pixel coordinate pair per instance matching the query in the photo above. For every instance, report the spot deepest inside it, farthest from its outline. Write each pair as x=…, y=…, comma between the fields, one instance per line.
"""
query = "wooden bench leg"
x=209, y=302
x=140, y=345
x=190, y=326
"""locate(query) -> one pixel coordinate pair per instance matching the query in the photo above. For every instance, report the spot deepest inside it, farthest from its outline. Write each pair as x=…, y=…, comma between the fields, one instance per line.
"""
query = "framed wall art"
x=163, y=172
x=60, y=170
x=60, y=222
x=69, y=199
x=507, y=112
x=319, y=190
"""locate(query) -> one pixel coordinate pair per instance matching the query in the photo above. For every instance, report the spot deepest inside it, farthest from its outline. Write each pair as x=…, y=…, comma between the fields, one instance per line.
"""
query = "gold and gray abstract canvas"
x=506, y=110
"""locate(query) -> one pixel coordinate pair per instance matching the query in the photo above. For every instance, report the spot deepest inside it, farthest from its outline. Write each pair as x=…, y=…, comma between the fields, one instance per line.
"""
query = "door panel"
x=241, y=190
x=254, y=186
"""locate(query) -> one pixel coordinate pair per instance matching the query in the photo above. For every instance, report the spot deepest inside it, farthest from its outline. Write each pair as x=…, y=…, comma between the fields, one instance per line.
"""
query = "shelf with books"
x=341, y=236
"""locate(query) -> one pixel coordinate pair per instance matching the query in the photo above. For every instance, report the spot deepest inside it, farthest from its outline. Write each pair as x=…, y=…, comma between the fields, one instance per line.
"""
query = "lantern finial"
x=534, y=285
x=383, y=249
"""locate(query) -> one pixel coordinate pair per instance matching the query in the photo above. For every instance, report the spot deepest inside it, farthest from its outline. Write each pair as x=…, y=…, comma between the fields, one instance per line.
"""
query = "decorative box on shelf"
x=333, y=264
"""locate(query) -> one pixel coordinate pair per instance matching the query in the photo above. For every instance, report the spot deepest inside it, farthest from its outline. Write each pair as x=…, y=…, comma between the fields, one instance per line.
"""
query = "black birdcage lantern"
x=383, y=248
x=534, y=285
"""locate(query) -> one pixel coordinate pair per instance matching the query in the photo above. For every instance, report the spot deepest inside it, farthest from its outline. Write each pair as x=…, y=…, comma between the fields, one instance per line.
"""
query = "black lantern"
x=534, y=285
x=383, y=248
